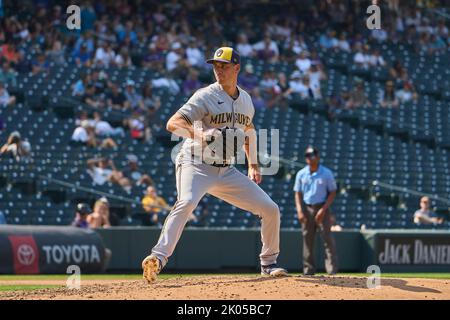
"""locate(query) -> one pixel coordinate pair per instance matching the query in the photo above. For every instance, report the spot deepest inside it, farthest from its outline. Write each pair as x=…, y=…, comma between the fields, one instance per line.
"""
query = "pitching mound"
x=240, y=287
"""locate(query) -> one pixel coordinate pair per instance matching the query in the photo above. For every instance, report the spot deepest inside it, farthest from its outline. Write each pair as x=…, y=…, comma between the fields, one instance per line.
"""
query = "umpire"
x=315, y=190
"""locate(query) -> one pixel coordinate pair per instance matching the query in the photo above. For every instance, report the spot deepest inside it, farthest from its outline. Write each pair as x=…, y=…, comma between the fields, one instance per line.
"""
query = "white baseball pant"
x=227, y=183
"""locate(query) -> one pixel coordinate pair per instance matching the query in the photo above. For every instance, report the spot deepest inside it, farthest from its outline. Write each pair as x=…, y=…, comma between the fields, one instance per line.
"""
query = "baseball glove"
x=227, y=142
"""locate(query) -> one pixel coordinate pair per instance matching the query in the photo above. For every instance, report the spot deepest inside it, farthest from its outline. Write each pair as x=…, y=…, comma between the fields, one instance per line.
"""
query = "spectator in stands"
x=244, y=48
x=336, y=103
x=127, y=33
x=290, y=51
x=424, y=215
x=343, y=43
x=328, y=40
x=388, y=97
x=84, y=134
x=82, y=56
x=123, y=59
x=168, y=82
x=153, y=59
x=151, y=102
x=138, y=126
x=301, y=86
x=79, y=88
x=268, y=83
x=83, y=116
x=441, y=29
x=8, y=75
x=358, y=97
x=16, y=148
x=104, y=55
x=435, y=44
x=91, y=98
x=116, y=99
x=103, y=170
x=362, y=56
x=247, y=79
x=191, y=83
x=82, y=212
x=299, y=44
x=134, y=174
x=99, y=218
x=267, y=49
x=316, y=76
x=315, y=59
x=104, y=129
x=9, y=53
x=258, y=101
x=133, y=98
x=56, y=53
x=407, y=93
x=376, y=59
x=40, y=64
x=303, y=63
x=194, y=55
x=398, y=72
x=153, y=204
x=99, y=80
x=279, y=92
x=174, y=58
x=6, y=99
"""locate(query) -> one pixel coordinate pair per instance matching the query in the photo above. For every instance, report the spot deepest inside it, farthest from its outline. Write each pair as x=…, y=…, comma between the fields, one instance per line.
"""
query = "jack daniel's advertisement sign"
x=429, y=250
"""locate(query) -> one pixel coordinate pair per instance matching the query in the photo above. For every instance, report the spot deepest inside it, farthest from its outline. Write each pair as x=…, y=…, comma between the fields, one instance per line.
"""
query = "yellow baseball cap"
x=227, y=55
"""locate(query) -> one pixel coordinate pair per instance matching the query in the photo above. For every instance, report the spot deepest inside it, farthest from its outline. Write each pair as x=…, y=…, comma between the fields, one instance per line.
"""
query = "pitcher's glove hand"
x=227, y=142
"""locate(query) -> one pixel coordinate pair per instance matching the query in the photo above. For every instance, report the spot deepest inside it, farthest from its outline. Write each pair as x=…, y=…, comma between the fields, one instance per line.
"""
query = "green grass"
x=64, y=277
x=168, y=276
x=25, y=287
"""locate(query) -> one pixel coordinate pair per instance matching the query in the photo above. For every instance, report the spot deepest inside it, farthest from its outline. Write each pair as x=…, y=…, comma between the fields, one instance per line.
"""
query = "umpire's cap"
x=83, y=208
x=227, y=55
x=311, y=151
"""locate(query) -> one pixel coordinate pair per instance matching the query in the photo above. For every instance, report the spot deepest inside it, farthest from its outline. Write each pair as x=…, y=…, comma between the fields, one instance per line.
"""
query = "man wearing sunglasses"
x=315, y=190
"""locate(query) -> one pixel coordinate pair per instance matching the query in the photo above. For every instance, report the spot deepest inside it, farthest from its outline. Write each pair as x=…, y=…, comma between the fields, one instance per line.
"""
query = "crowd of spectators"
x=172, y=39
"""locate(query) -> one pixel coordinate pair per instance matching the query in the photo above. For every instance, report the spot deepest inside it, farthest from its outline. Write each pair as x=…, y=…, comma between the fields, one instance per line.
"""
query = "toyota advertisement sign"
x=34, y=250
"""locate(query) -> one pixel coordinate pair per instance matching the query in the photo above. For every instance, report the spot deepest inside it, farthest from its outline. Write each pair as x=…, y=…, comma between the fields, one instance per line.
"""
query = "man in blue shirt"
x=315, y=190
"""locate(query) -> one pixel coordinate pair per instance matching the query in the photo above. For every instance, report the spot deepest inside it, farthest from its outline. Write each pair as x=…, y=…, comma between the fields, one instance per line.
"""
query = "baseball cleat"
x=273, y=271
x=151, y=267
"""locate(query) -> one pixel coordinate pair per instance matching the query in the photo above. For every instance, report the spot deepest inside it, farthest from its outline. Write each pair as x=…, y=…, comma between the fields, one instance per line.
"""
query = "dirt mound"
x=245, y=287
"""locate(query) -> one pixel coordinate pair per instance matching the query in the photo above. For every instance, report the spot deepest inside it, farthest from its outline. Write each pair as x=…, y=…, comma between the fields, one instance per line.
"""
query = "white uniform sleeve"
x=195, y=109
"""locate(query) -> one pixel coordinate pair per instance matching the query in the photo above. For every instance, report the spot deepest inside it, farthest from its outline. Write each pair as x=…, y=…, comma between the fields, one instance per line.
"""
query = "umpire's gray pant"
x=309, y=234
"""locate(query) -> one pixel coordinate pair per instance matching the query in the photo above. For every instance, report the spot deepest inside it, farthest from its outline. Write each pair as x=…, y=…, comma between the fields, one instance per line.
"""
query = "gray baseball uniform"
x=214, y=108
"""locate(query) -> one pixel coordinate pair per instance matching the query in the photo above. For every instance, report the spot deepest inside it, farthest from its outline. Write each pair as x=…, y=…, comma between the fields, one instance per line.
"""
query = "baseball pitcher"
x=216, y=123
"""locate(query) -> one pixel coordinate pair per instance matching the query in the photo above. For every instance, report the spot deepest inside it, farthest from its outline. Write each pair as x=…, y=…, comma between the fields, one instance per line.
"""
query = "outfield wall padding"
x=38, y=249
x=220, y=249
x=400, y=251
x=50, y=249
